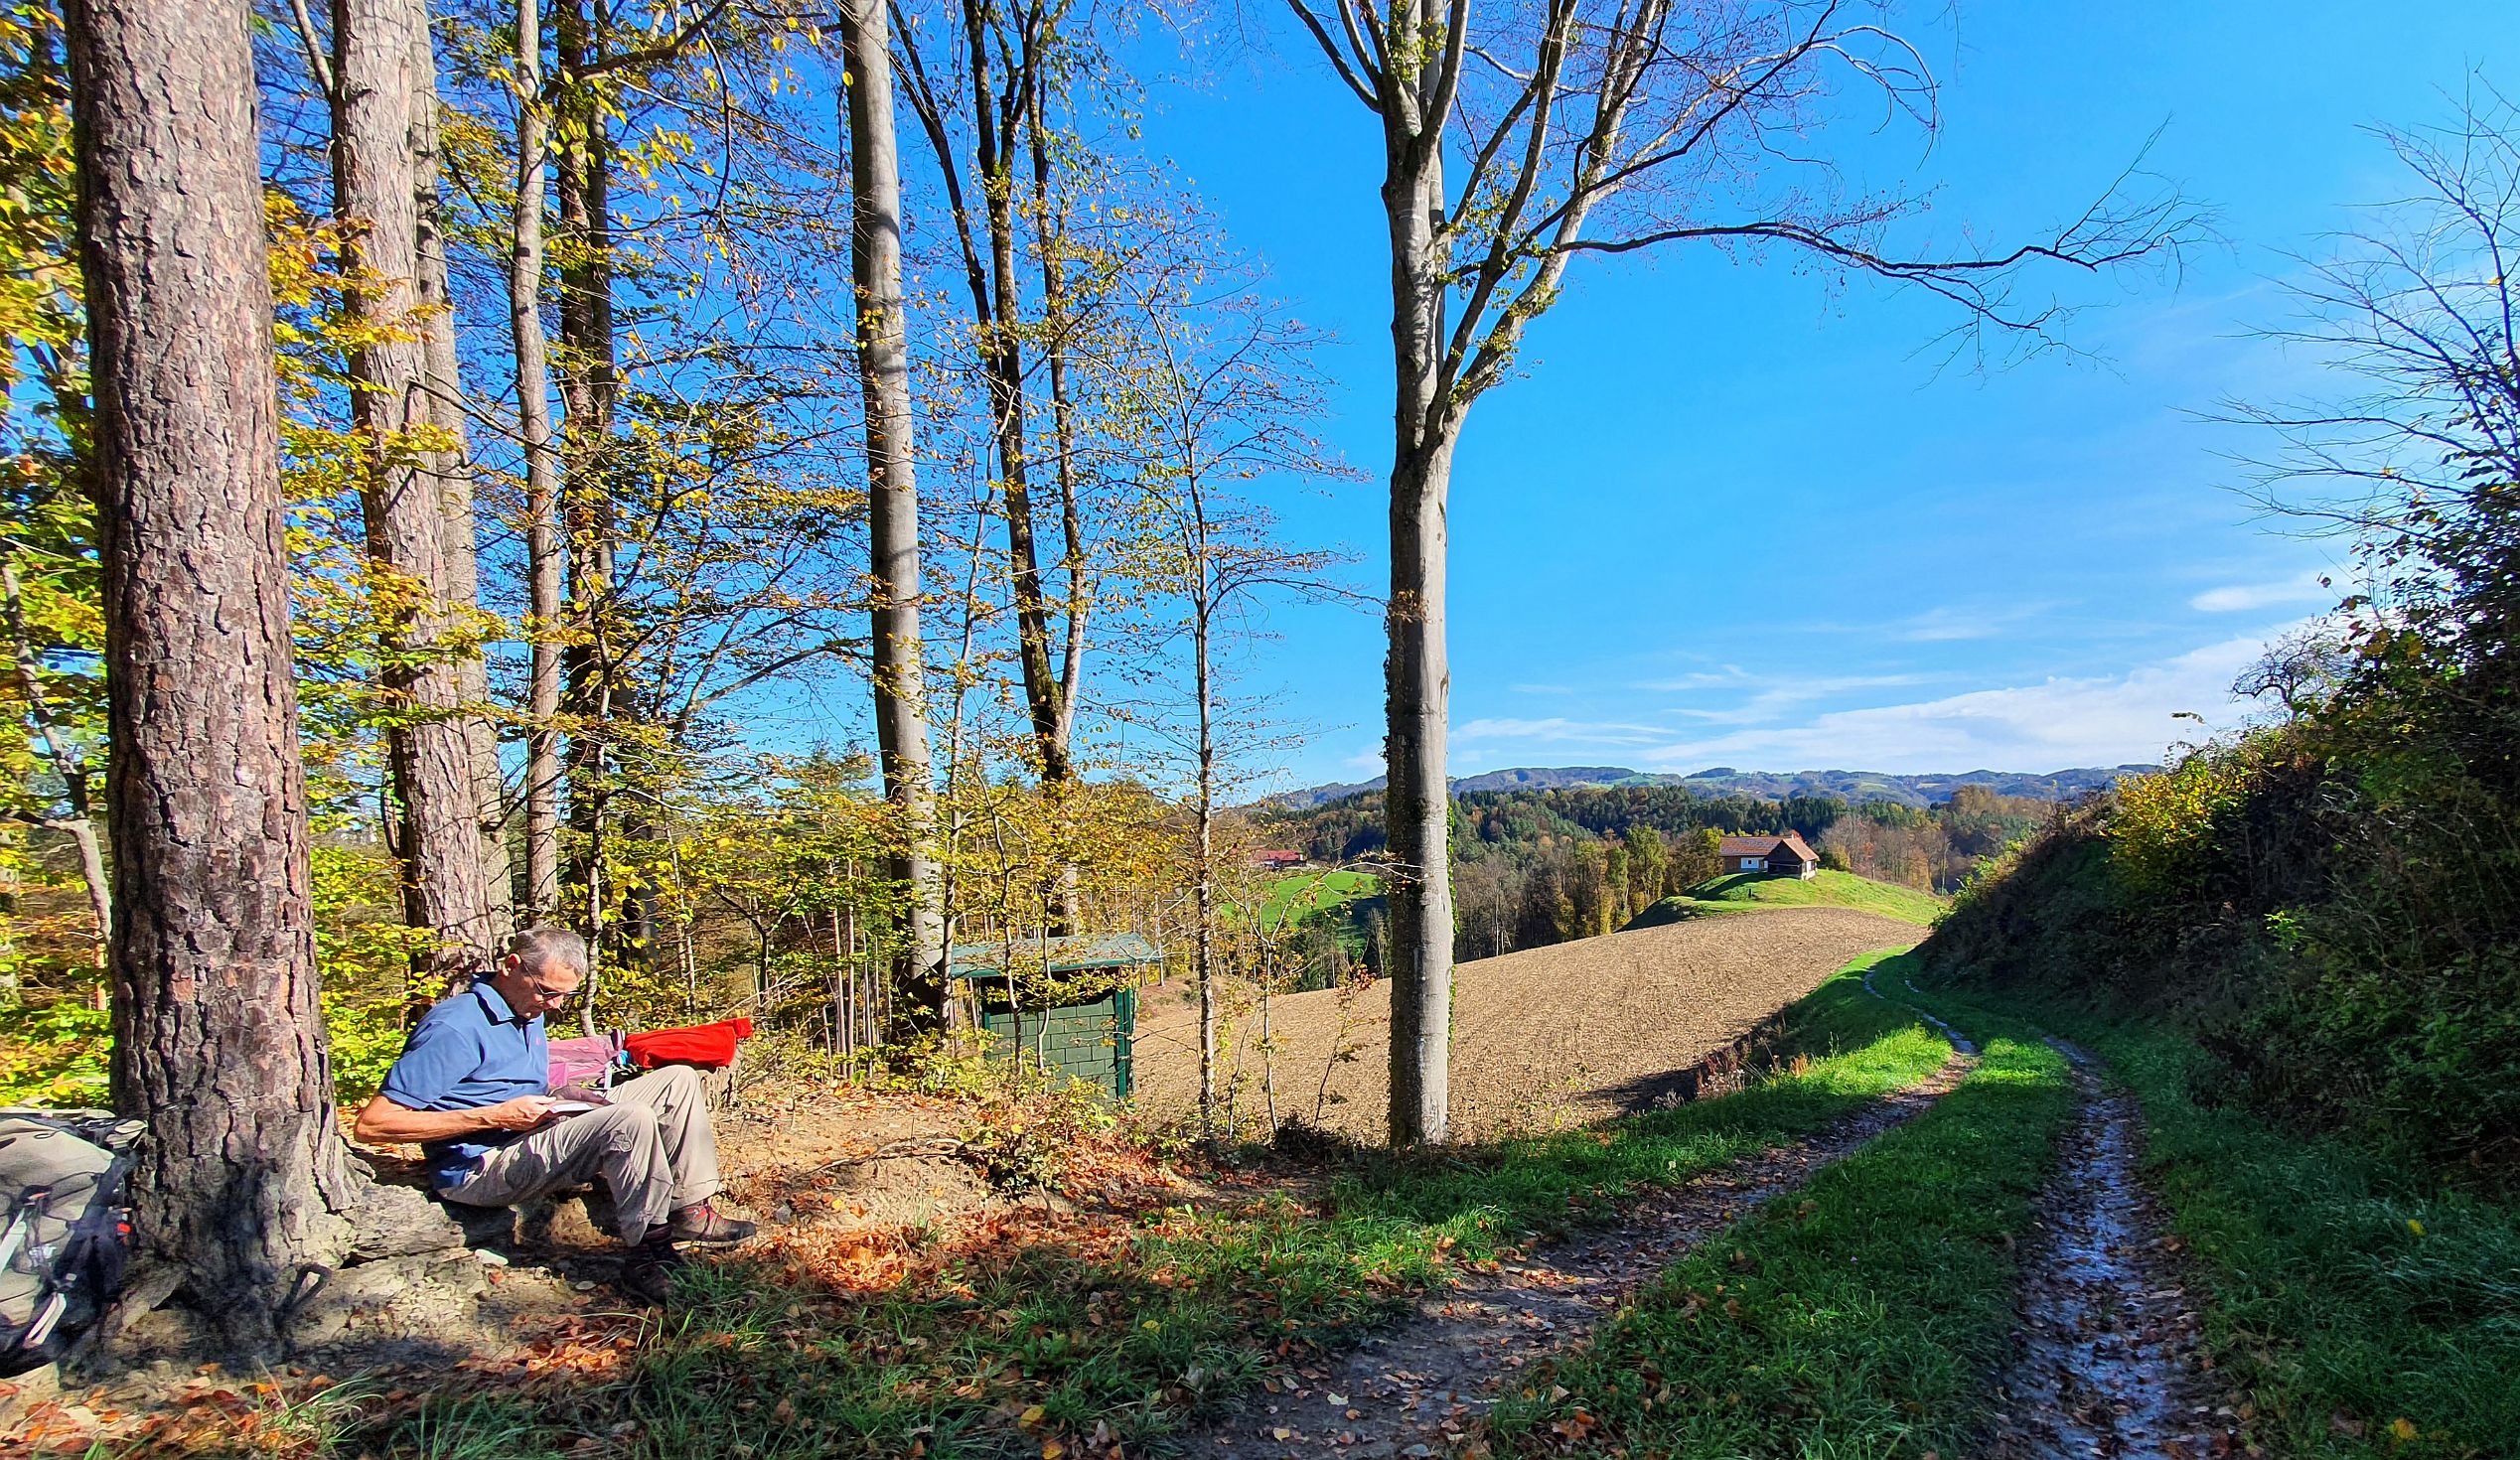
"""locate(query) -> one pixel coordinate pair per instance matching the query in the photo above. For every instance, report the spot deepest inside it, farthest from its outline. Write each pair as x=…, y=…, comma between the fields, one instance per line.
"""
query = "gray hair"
x=542, y=945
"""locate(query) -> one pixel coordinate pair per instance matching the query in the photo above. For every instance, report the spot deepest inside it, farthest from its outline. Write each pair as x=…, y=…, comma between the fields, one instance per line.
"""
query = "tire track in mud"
x=1418, y=1387
x=2106, y=1360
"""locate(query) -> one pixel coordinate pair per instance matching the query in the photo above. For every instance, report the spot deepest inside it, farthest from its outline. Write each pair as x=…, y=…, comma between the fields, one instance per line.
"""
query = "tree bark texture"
x=376, y=44
x=1418, y=681
x=545, y=550
x=240, y=1182
x=893, y=590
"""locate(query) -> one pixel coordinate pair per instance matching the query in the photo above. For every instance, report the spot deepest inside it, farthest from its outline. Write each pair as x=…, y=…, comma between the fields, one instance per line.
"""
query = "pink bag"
x=588, y=1063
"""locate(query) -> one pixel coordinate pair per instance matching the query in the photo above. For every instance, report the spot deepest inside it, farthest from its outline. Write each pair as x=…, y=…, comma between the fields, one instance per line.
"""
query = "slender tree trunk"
x=453, y=466
x=219, y=1035
x=592, y=695
x=1417, y=680
x=543, y=546
x=445, y=887
x=80, y=824
x=992, y=147
x=883, y=355
x=1050, y=221
x=1203, y=888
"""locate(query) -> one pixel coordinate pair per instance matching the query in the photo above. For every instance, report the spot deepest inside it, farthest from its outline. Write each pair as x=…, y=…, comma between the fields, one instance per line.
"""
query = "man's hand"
x=524, y=1113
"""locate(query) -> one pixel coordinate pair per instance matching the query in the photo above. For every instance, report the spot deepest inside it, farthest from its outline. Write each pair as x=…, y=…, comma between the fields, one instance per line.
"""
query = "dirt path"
x=2105, y=1362
x=1414, y=1388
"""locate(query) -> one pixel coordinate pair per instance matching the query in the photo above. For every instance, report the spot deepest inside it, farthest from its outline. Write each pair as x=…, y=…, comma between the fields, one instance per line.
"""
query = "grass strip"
x=2355, y=1307
x=1021, y=1349
x=1859, y=1317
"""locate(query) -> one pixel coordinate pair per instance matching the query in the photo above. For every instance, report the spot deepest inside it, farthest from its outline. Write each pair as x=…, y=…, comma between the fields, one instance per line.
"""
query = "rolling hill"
x=1745, y=890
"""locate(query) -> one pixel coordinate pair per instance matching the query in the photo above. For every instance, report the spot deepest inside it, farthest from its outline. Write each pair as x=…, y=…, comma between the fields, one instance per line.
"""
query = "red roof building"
x=1777, y=856
x=1277, y=859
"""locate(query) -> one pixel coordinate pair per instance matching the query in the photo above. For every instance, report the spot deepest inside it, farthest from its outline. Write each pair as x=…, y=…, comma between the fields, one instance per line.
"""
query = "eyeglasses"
x=550, y=996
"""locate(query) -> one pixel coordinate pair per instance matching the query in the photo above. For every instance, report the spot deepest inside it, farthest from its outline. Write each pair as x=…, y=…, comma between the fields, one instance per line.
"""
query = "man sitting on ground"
x=473, y=1089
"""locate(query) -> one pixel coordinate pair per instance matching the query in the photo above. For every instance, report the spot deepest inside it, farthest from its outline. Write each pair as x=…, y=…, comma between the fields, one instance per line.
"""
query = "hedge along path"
x=1421, y=1386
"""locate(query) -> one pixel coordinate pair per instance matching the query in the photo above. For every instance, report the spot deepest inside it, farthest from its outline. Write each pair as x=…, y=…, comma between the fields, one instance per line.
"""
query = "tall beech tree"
x=219, y=1046
x=897, y=653
x=1594, y=126
x=409, y=431
x=451, y=464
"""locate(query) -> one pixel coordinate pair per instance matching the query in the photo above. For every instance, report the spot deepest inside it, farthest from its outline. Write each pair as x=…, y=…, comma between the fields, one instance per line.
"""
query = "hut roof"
x=1059, y=954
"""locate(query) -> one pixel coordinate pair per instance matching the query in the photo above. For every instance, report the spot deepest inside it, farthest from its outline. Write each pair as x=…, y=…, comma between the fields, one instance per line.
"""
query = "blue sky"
x=1731, y=516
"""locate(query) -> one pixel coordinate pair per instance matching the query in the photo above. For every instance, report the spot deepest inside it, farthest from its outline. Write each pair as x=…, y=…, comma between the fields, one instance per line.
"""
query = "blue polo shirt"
x=469, y=1051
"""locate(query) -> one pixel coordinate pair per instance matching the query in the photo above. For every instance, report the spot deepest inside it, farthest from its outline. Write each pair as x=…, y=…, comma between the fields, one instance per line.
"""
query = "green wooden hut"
x=1088, y=1036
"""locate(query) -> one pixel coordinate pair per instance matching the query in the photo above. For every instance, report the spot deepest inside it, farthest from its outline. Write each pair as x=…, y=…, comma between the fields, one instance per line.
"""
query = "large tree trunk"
x=445, y=887
x=883, y=356
x=1416, y=678
x=218, y=1036
x=453, y=466
x=544, y=545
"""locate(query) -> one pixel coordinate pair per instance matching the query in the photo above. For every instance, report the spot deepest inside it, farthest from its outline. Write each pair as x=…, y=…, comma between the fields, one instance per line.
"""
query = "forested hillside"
x=1854, y=786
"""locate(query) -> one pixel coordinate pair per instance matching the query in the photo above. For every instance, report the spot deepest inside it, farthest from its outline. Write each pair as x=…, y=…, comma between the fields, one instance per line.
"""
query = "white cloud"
x=1785, y=695
x=2235, y=598
x=2104, y=720
x=1730, y=677
x=1951, y=624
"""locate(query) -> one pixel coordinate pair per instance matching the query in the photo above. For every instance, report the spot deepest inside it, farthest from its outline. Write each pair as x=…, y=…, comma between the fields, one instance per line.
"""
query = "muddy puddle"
x=2106, y=1353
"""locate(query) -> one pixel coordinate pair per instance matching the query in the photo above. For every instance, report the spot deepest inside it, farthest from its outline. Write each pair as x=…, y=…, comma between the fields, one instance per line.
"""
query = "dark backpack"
x=67, y=1231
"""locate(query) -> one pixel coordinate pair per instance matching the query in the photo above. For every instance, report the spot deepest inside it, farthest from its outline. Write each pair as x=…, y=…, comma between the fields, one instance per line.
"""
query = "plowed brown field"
x=1547, y=1038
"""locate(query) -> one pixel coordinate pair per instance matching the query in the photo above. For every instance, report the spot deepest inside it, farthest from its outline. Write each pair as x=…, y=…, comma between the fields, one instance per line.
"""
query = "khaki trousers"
x=653, y=1146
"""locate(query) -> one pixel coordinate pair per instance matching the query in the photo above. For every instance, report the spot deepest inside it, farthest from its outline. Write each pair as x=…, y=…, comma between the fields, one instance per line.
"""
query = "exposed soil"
x=2106, y=1362
x=1419, y=1388
x=1543, y=1039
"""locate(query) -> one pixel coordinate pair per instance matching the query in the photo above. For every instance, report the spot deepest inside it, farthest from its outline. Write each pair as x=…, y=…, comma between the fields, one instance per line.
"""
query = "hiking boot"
x=702, y=1223
x=649, y=1273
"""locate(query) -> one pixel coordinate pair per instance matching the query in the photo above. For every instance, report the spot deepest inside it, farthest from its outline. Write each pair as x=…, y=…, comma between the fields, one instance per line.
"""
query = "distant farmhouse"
x=1277, y=859
x=1782, y=856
